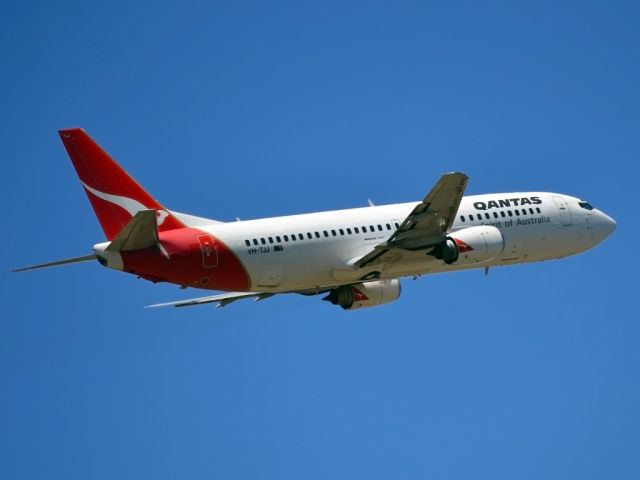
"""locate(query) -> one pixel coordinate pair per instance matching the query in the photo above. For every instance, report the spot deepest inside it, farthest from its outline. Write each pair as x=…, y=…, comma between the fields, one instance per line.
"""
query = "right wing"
x=426, y=225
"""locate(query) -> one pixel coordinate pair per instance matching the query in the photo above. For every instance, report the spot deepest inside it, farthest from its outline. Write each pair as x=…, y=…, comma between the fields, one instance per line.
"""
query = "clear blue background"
x=257, y=109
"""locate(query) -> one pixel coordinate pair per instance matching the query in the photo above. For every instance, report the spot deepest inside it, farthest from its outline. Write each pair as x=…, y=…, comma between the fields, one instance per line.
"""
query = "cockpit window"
x=585, y=205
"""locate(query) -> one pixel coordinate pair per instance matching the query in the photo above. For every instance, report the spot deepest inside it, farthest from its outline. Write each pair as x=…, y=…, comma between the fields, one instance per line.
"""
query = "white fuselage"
x=313, y=251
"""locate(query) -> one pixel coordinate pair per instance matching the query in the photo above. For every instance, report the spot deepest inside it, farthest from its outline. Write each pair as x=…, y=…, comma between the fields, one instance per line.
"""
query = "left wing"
x=221, y=300
x=426, y=225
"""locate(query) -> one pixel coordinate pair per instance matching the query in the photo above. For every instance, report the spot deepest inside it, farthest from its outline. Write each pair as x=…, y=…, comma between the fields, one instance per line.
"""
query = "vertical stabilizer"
x=114, y=195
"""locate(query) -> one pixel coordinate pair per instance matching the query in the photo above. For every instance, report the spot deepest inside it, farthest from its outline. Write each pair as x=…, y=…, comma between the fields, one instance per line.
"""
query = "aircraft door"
x=209, y=251
x=565, y=213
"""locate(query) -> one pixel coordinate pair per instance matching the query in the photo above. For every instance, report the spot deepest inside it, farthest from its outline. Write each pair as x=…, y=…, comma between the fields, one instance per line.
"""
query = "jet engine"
x=367, y=294
x=470, y=245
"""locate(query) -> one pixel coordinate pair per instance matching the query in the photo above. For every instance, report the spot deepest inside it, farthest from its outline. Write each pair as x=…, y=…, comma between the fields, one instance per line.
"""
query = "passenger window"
x=379, y=227
x=471, y=218
x=326, y=234
x=333, y=232
x=309, y=236
x=247, y=243
x=270, y=239
x=349, y=231
x=510, y=213
x=372, y=228
x=388, y=227
x=286, y=238
x=495, y=214
x=538, y=210
x=293, y=237
x=524, y=211
x=502, y=214
x=531, y=211
x=364, y=229
x=263, y=241
x=462, y=218
x=355, y=229
x=486, y=215
x=517, y=212
x=397, y=225
x=479, y=217
x=255, y=241
x=278, y=239
x=300, y=236
x=341, y=231
x=317, y=234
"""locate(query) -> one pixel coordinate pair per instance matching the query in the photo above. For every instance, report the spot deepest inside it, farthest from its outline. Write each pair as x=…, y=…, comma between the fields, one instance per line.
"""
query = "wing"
x=221, y=300
x=426, y=226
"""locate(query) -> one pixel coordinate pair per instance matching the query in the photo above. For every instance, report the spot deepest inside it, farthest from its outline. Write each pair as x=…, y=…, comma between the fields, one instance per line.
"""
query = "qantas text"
x=507, y=202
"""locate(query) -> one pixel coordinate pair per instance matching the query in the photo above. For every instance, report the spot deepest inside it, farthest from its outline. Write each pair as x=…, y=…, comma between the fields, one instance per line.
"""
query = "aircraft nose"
x=606, y=224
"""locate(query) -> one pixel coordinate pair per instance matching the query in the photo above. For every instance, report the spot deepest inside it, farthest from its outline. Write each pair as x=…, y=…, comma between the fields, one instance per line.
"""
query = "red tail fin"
x=114, y=195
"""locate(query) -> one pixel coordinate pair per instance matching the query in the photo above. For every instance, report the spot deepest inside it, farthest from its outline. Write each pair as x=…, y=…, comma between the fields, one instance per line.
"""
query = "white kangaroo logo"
x=161, y=214
x=130, y=205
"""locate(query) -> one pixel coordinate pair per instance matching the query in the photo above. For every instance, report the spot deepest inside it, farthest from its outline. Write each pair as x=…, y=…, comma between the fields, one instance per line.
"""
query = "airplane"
x=355, y=257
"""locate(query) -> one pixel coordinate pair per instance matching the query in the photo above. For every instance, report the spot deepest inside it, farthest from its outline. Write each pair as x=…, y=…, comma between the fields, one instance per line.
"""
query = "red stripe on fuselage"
x=187, y=264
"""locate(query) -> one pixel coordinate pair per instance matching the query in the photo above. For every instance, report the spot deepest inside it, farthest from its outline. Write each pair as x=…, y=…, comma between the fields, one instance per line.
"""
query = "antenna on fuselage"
x=370, y=202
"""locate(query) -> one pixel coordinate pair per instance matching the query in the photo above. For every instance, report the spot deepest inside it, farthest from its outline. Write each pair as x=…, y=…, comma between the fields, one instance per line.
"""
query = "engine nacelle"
x=367, y=294
x=470, y=245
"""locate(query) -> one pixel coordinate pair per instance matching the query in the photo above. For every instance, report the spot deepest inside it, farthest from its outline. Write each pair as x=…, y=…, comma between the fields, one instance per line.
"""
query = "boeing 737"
x=354, y=257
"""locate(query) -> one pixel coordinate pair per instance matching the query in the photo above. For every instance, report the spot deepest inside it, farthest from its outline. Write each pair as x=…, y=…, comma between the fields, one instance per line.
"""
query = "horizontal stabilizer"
x=84, y=258
x=141, y=232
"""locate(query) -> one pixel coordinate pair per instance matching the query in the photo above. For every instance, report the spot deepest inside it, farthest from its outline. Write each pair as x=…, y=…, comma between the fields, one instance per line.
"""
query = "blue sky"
x=248, y=110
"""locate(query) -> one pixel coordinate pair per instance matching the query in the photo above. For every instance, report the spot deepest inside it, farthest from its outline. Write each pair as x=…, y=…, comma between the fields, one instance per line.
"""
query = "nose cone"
x=605, y=225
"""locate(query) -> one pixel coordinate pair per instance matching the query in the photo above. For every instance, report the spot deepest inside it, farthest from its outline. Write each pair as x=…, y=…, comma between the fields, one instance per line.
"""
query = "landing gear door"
x=565, y=213
x=209, y=251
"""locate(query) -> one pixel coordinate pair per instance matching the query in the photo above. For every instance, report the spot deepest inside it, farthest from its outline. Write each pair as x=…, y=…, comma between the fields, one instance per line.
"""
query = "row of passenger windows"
x=502, y=214
x=325, y=233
